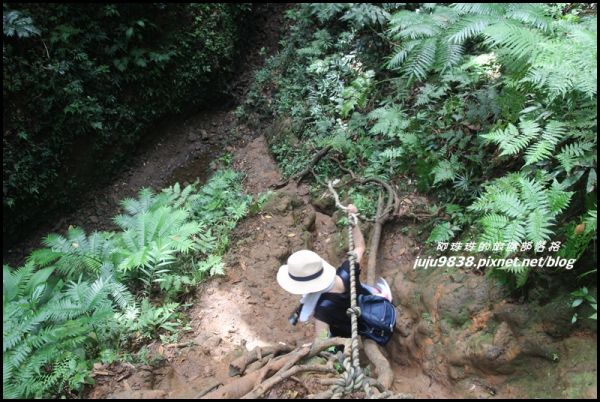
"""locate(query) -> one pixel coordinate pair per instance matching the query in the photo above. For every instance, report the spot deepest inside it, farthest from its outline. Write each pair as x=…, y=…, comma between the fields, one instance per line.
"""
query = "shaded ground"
x=175, y=150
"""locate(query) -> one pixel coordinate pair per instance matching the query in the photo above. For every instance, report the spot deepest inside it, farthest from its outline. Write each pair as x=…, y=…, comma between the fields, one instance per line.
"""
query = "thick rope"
x=353, y=378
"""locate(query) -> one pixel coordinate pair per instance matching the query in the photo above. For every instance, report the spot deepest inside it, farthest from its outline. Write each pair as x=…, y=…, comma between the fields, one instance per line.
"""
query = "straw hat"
x=305, y=272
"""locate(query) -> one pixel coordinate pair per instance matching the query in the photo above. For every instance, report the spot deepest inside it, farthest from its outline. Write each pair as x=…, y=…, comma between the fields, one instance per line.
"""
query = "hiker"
x=325, y=290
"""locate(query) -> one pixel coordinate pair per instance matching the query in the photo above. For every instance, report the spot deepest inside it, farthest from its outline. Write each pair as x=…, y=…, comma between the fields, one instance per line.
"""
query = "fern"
x=360, y=15
x=143, y=203
x=519, y=43
x=442, y=232
x=43, y=334
x=151, y=237
x=520, y=208
x=446, y=170
x=519, y=271
x=391, y=121
x=572, y=154
x=76, y=254
x=568, y=63
x=538, y=224
x=554, y=133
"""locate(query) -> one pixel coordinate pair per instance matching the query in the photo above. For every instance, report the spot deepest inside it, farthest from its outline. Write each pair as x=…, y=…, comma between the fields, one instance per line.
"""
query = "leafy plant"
x=70, y=76
x=582, y=295
x=518, y=208
x=50, y=328
x=69, y=305
x=146, y=320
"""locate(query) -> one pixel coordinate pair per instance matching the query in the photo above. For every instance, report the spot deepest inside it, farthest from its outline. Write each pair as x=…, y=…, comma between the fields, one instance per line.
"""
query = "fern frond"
x=421, y=60
x=514, y=232
x=510, y=204
x=557, y=198
x=533, y=194
x=521, y=43
x=493, y=9
x=468, y=28
x=538, y=224
x=529, y=13
x=571, y=153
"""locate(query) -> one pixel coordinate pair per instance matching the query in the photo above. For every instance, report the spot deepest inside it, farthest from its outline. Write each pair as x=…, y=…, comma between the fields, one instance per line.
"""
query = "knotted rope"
x=353, y=378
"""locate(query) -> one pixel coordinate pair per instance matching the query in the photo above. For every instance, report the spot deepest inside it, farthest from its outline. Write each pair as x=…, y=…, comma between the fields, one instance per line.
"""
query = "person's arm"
x=359, y=240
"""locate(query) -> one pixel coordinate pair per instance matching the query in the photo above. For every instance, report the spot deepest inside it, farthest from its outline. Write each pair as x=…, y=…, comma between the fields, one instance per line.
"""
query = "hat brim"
x=314, y=285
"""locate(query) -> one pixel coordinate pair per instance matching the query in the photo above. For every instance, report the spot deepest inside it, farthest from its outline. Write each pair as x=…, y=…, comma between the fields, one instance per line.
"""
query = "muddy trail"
x=246, y=308
x=456, y=336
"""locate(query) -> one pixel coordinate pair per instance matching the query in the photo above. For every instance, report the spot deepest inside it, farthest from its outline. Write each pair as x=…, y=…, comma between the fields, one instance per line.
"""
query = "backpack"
x=377, y=318
x=378, y=314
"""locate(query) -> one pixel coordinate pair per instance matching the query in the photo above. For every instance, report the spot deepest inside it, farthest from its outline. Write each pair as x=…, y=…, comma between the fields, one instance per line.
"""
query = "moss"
x=572, y=376
x=580, y=385
x=485, y=339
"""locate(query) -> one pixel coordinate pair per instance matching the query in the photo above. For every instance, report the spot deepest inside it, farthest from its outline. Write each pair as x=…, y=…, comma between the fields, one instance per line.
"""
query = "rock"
x=204, y=135
x=309, y=220
x=193, y=137
x=456, y=372
x=296, y=200
x=278, y=204
x=325, y=205
x=307, y=240
x=212, y=342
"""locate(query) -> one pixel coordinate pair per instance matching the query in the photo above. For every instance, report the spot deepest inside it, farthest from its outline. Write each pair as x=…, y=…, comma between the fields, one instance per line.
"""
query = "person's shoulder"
x=346, y=266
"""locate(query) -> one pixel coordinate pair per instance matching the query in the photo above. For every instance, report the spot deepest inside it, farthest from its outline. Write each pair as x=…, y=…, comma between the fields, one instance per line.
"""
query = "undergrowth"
x=97, y=297
x=489, y=109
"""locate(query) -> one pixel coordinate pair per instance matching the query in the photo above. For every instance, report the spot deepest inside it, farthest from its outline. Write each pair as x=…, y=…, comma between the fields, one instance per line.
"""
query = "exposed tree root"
x=261, y=389
x=258, y=381
x=385, y=374
x=372, y=261
x=238, y=366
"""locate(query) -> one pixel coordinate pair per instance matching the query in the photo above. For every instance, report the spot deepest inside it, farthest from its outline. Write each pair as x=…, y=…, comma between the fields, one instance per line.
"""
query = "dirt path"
x=246, y=308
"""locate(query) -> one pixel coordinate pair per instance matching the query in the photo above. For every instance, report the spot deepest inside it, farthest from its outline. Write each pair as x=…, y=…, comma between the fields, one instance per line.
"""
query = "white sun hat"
x=305, y=272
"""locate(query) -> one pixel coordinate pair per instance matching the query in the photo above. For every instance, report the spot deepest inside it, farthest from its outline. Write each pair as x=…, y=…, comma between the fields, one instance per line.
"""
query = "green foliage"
x=475, y=101
x=146, y=320
x=579, y=235
x=582, y=295
x=50, y=328
x=443, y=233
x=518, y=208
x=72, y=302
x=14, y=23
x=81, y=86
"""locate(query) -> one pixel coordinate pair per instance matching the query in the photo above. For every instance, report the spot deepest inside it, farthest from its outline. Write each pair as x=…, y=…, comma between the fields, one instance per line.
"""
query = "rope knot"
x=352, y=255
x=354, y=310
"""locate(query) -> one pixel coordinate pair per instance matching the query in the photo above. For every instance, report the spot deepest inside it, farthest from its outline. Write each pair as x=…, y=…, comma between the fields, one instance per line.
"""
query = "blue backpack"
x=377, y=318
